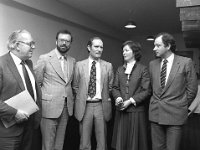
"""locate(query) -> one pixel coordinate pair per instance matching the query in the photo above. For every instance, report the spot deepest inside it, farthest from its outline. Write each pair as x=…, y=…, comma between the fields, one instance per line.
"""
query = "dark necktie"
x=27, y=80
x=92, y=82
x=163, y=73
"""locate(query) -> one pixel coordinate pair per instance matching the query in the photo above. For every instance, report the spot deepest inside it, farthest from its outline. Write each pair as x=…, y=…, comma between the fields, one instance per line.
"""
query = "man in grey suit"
x=12, y=82
x=54, y=72
x=174, y=85
x=92, y=85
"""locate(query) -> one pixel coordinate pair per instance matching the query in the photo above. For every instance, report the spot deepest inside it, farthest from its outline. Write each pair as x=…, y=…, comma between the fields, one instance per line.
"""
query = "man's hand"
x=21, y=116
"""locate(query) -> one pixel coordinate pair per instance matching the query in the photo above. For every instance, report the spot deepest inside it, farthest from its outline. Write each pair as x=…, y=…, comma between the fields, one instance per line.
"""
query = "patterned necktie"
x=92, y=83
x=27, y=79
x=163, y=73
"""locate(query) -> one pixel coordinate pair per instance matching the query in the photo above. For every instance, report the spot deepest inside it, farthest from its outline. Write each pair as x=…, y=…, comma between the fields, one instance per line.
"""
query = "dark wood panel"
x=191, y=25
x=185, y=3
x=192, y=39
x=190, y=13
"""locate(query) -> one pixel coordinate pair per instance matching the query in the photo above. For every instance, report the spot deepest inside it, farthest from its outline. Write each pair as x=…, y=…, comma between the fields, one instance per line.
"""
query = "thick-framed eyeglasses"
x=30, y=44
x=64, y=41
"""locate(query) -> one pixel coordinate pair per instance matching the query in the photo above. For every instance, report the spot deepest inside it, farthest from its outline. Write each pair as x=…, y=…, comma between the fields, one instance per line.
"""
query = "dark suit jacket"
x=170, y=105
x=138, y=89
x=11, y=84
x=80, y=86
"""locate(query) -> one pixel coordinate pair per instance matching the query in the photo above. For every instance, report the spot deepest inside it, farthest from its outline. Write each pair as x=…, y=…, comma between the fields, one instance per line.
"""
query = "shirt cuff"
x=119, y=98
x=133, y=101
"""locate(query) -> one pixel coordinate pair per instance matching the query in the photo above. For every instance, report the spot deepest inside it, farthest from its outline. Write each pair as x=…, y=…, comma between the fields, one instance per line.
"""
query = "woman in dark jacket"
x=130, y=90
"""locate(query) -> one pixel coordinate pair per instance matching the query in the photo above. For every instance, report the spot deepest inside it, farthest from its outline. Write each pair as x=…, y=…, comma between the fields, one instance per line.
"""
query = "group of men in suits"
x=88, y=84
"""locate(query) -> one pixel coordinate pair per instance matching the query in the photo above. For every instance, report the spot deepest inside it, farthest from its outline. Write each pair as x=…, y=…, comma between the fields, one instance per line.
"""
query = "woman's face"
x=128, y=54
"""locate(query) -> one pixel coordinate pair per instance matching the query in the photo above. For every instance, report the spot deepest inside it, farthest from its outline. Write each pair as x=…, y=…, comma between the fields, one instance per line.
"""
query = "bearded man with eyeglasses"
x=12, y=82
x=54, y=72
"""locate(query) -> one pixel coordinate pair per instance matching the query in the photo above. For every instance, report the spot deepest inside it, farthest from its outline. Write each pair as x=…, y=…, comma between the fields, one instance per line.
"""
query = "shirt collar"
x=170, y=58
x=16, y=59
x=129, y=67
x=91, y=60
x=59, y=56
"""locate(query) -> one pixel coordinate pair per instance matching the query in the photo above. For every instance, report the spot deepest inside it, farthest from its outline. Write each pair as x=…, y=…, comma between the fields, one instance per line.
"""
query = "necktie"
x=92, y=82
x=64, y=67
x=27, y=80
x=163, y=74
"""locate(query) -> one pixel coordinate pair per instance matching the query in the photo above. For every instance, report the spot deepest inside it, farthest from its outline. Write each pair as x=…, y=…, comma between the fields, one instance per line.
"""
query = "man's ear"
x=89, y=48
x=15, y=46
x=169, y=46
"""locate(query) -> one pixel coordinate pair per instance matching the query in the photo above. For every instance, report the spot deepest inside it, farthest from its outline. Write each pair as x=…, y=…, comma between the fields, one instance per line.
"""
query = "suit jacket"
x=55, y=87
x=138, y=87
x=195, y=105
x=11, y=84
x=81, y=83
x=170, y=105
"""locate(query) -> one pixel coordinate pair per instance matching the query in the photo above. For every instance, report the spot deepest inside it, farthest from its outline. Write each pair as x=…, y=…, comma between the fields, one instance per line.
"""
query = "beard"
x=63, y=49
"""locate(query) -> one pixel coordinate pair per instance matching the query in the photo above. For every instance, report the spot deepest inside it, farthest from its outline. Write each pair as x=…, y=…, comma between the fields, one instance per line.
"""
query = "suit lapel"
x=15, y=72
x=102, y=69
x=157, y=72
x=56, y=65
x=85, y=68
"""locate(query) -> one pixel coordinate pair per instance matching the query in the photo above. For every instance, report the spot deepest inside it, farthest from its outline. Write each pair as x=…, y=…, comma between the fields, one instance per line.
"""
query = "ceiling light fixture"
x=130, y=24
x=150, y=38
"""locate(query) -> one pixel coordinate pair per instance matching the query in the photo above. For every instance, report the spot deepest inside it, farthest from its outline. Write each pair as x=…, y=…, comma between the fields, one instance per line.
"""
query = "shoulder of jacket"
x=71, y=58
x=106, y=62
x=183, y=58
x=47, y=55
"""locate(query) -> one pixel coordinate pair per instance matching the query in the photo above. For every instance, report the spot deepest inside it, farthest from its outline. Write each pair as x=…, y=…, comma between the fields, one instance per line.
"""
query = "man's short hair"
x=12, y=39
x=91, y=40
x=167, y=40
x=64, y=32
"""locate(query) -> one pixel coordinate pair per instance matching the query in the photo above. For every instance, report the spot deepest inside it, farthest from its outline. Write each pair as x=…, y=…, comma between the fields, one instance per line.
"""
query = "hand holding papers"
x=22, y=102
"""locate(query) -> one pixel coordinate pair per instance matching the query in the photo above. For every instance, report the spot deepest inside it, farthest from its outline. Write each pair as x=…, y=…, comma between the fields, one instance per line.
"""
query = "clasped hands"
x=121, y=104
x=21, y=116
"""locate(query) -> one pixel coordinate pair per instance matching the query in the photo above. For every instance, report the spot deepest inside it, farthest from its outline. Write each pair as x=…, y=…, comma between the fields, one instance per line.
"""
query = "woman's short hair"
x=135, y=47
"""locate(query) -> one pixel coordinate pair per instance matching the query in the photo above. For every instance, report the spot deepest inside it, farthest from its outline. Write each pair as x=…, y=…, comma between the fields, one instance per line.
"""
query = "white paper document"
x=22, y=101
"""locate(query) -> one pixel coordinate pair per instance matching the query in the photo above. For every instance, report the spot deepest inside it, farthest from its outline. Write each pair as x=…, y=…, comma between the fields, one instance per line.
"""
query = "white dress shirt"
x=17, y=62
x=170, y=60
x=98, y=79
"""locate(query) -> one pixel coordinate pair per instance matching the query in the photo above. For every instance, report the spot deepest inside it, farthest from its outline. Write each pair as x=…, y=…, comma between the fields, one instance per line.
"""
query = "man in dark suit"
x=54, y=72
x=92, y=84
x=174, y=85
x=12, y=82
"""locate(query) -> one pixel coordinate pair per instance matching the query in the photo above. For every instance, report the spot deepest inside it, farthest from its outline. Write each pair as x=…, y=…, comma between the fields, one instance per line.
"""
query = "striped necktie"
x=163, y=74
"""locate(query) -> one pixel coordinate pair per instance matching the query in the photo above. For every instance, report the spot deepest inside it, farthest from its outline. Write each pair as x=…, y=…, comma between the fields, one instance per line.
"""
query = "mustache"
x=63, y=46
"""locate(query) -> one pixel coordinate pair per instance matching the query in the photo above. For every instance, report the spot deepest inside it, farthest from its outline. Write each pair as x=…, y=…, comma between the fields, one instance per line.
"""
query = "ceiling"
x=151, y=16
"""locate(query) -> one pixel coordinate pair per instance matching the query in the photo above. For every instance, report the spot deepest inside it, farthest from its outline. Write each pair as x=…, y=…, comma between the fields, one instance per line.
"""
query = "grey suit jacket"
x=55, y=87
x=11, y=84
x=80, y=86
x=170, y=105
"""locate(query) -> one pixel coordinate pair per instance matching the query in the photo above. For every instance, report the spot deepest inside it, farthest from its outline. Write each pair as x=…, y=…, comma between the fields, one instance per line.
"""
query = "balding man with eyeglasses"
x=12, y=82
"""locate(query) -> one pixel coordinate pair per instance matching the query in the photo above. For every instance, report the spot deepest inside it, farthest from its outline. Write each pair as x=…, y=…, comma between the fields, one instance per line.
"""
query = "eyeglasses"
x=31, y=44
x=64, y=41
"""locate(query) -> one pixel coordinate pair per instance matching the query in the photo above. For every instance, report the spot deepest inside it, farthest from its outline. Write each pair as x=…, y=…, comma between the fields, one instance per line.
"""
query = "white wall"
x=44, y=27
